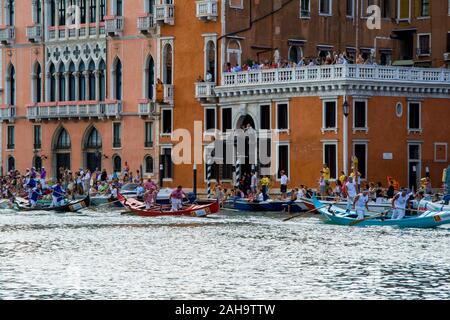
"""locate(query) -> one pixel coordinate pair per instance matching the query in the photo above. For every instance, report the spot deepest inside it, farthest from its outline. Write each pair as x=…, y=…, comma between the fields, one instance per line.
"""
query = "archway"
x=61, y=151
x=92, y=147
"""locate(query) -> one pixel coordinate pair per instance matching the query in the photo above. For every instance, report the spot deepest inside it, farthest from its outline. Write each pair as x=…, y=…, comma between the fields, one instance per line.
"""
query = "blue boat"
x=245, y=205
x=281, y=206
x=336, y=215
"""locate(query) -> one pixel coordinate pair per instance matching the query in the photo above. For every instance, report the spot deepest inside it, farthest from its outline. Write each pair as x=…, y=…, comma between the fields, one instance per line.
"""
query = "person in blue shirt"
x=36, y=192
x=58, y=195
x=140, y=191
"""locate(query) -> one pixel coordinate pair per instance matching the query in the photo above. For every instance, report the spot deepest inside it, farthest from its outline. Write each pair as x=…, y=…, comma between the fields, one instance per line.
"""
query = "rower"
x=176, y=198
x=350, y=189
x=399, y=204
x=58, y=195
x=361, y=204
x=36, y=192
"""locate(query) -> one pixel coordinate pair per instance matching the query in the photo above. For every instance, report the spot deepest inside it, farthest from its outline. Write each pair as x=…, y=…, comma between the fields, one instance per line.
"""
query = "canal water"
x=106, y=255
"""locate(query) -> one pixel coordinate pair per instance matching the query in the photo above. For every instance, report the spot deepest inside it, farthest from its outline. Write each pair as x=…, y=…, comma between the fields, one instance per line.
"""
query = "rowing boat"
x=373, y=206
x=334, y=214
x=201, y=209
x=71, y=206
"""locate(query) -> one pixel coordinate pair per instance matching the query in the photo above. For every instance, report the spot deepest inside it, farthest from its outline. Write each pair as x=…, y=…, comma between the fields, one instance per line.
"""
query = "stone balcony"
x=114, y=25
x=74, y=110
x=85, y=31
x=7, y=113
x=165, y=13
x=205, y=91
x=146, y=23
x=34, y=33
x=310, y=80
x=7, y=35
x=147, y=108
x=207, y=10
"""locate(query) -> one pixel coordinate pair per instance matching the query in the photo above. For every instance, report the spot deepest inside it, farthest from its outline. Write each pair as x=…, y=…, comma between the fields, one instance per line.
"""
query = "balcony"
x=7, y=113
x=147, y=108
x=114, y=25
x=165, y=13
x=7, y=35
x=85, y=31
x=34, y=33
x=205, y=90
x=146, y=23
x=207, y=10
x=74, y=110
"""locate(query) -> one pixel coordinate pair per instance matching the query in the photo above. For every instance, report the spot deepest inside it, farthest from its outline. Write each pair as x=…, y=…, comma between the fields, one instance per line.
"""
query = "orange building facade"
x=115, y=88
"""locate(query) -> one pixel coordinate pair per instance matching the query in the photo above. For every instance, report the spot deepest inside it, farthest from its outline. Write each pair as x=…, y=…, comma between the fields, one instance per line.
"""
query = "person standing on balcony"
x=209, y=77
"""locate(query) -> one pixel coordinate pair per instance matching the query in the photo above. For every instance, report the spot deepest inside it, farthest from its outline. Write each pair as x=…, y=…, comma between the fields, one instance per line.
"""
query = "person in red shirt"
x=176, y=198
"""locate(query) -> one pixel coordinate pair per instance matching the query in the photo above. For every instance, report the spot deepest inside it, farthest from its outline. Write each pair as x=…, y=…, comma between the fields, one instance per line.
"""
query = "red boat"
x=202, y=209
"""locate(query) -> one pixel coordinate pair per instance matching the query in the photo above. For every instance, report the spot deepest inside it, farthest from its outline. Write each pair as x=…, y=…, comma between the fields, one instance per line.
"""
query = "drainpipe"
x=357, y=28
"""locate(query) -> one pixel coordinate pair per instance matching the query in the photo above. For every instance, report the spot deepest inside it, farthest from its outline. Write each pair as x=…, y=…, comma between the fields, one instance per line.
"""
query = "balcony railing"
x=74, y=109
x=165, y=13
x=146, y=23
x=34, y=33
x=207, y=9
x=147, y=108
x=7, y=113
x=72, y=33
x=7, y=34
x=168, y=94
x=337, y=72
x=204, y=90
x=114, y=25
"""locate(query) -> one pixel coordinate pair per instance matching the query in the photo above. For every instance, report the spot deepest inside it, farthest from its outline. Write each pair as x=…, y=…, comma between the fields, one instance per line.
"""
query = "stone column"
x=97, y=19
x=77, y=85
x=97, y=84
x=86, y=85
x=66, y=76
x=48, y=88
x=48, y=18
x=57, y=75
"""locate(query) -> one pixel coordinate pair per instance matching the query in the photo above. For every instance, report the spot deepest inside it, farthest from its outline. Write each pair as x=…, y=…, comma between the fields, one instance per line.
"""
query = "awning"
x=403, y=63
x=296, y=42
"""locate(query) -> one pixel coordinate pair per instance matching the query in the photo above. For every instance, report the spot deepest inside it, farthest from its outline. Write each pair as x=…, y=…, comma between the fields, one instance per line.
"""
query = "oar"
x=353, y=223
x=106, y=204
x=300, y=214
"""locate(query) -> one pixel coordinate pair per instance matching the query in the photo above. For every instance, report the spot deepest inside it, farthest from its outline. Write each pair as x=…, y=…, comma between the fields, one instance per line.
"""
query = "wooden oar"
x=353, y=223
x=300, y=214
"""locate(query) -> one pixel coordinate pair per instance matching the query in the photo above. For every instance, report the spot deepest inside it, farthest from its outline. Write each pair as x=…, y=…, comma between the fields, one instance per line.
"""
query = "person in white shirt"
x=87, y=181
x=254, y=183
x=399, y=203
x=361, y=204
x=284, y=181
x=351, y=193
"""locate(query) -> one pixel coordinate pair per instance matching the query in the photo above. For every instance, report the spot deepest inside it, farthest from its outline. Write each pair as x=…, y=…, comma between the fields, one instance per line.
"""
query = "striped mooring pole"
x=208, y=176
x=238, y=171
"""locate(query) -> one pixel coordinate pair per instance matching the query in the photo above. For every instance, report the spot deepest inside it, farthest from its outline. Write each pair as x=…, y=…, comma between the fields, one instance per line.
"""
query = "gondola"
x=71, y=206
x=336, y=215
x=190, y=210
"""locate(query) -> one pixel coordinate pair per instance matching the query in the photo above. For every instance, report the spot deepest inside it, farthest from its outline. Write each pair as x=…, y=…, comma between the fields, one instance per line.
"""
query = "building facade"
x=117, y=86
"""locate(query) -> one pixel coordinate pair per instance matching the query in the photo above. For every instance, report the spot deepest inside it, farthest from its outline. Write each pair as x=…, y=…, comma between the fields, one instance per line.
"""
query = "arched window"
x=37, y=163
x=210, y=61
x=52, y=83
x=62, y=83
x=37, y=83
x=167, y=64
x=11, y=163
x=148, y=165
x=234, y=53
x=102, y=70
x=63, y=141
x=12, y=86
x=92, y=81
x=82, y=82
x=93, y=141
x=72, y=82
x=150, y=78
x=117, y=73
x=117, y=164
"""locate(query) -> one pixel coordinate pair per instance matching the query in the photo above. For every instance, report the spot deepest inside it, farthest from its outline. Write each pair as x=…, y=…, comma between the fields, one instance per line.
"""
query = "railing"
x=168, y=94
x=7, y=34
x=146, y=23
x=7, y=113
x=34, y=33
x=207, y=9
x=146, y=108
x=165, y=13
x=73, y=33
x=336, y=72
x=74, y=109
x=204, y=90
x=114, y=24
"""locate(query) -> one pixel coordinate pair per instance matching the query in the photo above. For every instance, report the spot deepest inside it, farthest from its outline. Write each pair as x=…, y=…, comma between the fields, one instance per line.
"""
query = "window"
x=424, y=8
x=38, y=84
x=385, y=8
x=283, y=159
x=52, y=83
x=94, y=141
x=350, y=8
x=150, y=6
x=117, y=74
x=414, y=121
x=148, y=127
x=62, y=13
x=102, y=80
x=117, y=164
x=72, y=82
x=305, y=9
x=325, y=7
x=330, y=115
x=414, y=152
x=82, y=82
x=282, y=117
x=92, y=91
x=210, y=57
x=424, y=43
x=167, y=64
x=330, y=158
x=102, y=10
x=226, y=119
x=11, y=163
x=92, y=10
x=360, y=152
x=10, y=137
x=150, y=78
x=117, y=135
x=167, y=164
x=210, y=118
x=61, y=83
x=37, y=137
x=148, y=165
x=441, y=152
x=63, y=142
x=237, y=4
x=403, y=10
x=360, y=115
x=448, y=40
x=167, y=121
x=52, y=12
x=37, y=163
x=38, y=12
x=264, y=114
x=11, y=79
